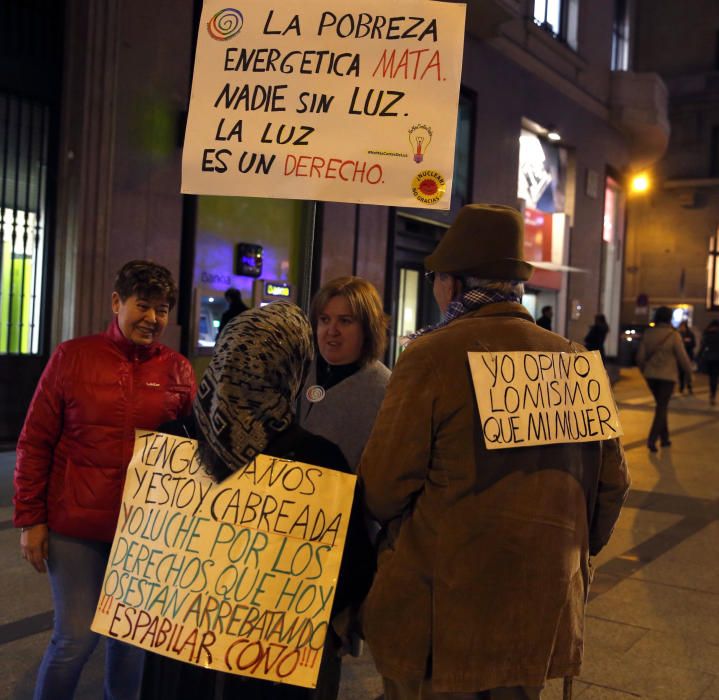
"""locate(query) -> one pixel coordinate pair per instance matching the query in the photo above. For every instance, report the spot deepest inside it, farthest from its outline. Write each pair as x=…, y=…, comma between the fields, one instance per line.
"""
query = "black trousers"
x=713, y=372
x=685, y=379
x=662, y=390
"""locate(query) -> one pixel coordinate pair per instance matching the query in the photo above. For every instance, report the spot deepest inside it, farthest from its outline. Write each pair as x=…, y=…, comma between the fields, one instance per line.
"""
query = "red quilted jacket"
x=79, y=432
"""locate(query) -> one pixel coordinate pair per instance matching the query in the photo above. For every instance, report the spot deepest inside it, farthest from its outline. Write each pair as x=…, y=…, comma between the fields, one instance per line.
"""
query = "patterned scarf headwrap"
x=471, y=300
x=248, y=393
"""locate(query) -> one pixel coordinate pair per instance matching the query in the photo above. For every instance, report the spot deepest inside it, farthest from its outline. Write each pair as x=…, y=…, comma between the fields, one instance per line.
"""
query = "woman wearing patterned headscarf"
x=246, y=399
x=245, y=407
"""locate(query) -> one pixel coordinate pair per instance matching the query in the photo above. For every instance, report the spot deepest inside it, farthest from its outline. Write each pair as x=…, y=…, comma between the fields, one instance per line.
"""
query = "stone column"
x=85, y=172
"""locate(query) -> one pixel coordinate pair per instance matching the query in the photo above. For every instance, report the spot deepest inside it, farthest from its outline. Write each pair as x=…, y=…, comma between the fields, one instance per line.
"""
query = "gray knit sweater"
x=347, y=412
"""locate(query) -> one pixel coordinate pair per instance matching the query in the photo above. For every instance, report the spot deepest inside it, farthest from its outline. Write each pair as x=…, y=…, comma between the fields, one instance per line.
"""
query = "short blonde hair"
x=366, y=307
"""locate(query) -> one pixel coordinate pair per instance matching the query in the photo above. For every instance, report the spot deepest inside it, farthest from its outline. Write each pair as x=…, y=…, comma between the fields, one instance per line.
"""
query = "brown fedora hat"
x=485, y=240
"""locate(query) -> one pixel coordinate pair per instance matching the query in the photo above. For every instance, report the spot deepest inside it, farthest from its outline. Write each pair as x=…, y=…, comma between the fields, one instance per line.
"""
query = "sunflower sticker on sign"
x=428, y=187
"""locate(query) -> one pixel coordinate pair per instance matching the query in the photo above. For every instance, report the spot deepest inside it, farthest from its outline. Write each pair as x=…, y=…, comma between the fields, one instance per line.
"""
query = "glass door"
x=413, y=305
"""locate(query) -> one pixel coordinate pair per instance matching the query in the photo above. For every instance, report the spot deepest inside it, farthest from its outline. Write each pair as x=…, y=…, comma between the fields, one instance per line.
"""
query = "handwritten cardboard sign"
x=338, y=101
x=540, y=398
x=238, y=576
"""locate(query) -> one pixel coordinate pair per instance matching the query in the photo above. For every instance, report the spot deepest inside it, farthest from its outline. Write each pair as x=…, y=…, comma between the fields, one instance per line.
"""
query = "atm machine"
x=209, y=305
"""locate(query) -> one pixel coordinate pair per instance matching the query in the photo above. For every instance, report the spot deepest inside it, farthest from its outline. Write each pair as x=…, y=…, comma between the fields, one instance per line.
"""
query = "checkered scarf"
x=471, y=300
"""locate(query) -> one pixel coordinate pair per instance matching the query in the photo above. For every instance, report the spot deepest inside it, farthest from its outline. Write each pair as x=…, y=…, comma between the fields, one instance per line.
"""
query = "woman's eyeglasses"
x=429, y=277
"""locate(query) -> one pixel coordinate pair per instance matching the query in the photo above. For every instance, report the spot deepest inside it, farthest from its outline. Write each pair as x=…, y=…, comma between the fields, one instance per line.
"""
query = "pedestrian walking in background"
x=545, y=320
x=709, y=357
x=236, y=307
x=72, y=456
x=594, y=340
x=245, y=407
x=346, y=382
x=483, y=567
x=690, y=342
x=660, y=354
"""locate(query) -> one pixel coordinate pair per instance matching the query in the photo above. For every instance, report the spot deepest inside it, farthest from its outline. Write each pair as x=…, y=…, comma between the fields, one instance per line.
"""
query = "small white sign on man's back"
x=542, y=398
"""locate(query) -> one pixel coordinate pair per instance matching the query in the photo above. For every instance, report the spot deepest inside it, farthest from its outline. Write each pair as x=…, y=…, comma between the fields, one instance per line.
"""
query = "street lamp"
x=713, y=274
x=640, y=183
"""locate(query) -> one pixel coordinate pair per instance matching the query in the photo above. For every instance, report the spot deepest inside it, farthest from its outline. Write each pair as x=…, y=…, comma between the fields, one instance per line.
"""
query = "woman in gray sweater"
x=659, y=357
x=344, y=390
x=347, y=381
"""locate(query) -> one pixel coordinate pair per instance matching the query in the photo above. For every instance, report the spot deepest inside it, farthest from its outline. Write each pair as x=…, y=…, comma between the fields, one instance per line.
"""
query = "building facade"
x=551, y=120
x=555, y=122
x=671, y=226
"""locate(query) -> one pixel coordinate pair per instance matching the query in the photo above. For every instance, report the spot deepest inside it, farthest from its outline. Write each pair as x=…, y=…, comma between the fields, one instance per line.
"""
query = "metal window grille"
x=23, y=175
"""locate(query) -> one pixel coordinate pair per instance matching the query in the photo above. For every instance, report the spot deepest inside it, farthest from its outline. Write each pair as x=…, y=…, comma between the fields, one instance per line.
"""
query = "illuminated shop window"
x=21, y=263
x=611, y=267
x=406, y=322
x=541, y=185
x=23, y=151
x=713, y=274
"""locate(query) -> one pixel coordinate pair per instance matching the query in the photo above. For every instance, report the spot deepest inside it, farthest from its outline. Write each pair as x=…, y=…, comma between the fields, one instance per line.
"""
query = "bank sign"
x=342, y=101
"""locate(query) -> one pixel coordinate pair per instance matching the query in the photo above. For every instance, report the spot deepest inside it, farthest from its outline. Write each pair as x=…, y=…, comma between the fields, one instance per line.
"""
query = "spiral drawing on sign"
x=225, y=24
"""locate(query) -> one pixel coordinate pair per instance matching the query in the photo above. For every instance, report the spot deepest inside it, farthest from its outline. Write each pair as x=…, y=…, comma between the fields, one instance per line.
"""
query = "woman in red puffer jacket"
x=72, y=456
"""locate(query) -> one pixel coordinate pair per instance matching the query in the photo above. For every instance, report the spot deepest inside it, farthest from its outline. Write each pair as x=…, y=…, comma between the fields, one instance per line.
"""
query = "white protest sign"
x=336, y=101
x=238, y=576
x=542, y=398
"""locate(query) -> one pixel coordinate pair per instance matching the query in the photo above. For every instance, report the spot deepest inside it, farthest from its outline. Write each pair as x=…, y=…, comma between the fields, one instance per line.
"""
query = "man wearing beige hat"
x=483, y=570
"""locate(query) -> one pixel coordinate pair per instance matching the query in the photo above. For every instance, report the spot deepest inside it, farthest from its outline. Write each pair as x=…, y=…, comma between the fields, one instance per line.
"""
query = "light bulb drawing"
x=420, y=136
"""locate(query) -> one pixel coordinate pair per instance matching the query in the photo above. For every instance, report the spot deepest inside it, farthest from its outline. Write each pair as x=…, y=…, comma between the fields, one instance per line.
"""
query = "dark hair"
x=233, y=295
x=546, y=308
x=145, y=279
x=366, y=307
x=663, y=315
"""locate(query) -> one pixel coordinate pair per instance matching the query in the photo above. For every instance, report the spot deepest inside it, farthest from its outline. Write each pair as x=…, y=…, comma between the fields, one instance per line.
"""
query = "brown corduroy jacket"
x=484, y=573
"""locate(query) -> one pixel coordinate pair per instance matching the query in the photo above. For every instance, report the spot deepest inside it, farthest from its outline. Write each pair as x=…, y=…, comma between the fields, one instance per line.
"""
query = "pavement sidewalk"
x=651, y=629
